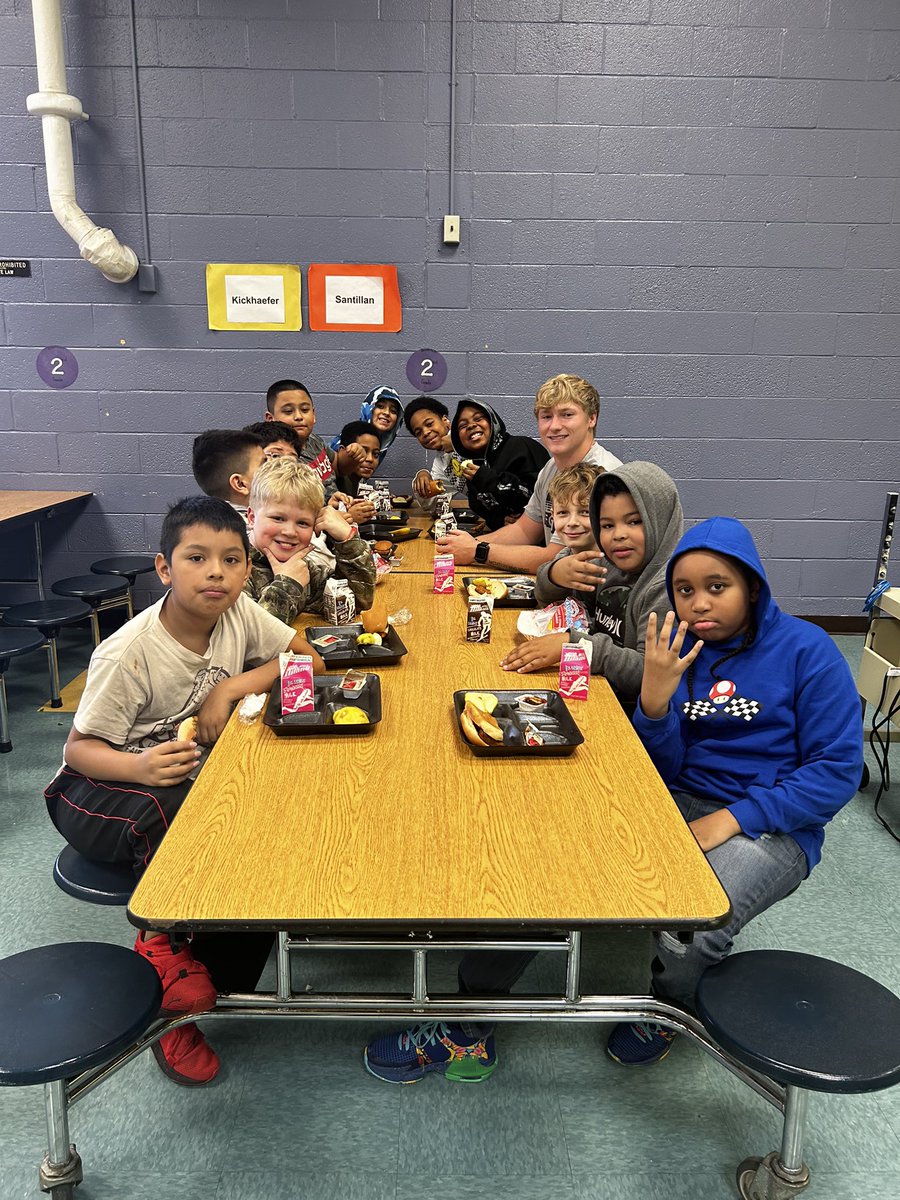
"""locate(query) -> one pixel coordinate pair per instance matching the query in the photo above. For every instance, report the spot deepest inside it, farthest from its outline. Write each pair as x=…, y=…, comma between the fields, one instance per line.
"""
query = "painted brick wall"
x=691, y=202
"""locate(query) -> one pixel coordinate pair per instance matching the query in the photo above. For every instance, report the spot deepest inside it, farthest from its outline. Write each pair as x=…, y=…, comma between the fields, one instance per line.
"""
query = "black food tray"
x=518, y=597
x=328, y=697
x=346, y=653
x=555, y=722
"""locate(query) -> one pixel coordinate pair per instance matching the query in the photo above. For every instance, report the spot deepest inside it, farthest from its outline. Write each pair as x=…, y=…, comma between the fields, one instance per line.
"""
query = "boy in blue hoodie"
x=756, y=730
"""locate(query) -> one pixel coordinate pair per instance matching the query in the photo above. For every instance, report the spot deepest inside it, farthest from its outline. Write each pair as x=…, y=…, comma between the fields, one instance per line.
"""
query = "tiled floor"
x=295, y=1115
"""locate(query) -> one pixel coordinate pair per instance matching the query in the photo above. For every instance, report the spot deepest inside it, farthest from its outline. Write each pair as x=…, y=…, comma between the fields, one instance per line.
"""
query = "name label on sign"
x=15, y=266
x=255, y=298
x=354, y=299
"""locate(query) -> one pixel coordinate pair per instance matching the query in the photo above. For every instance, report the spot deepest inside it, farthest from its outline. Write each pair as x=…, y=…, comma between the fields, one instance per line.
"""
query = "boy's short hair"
x=275, y=431
x=218, y=454
x=609, y=484
x=355, y=429
x=567, y=389
x=424, y=403
x=200, y=510
x=575, y=483
x=285, y=480
x=284, y=385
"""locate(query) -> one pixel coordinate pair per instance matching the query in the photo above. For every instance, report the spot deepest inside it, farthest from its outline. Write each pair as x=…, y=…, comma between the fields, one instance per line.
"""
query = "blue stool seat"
x=95, y=882
x=128, y=565
x=93, y=589
x=70, y=1007
x=48, y=616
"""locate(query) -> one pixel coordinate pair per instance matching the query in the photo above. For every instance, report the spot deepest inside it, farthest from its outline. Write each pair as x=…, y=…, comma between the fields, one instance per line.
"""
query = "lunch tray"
x=346, y=653
x=328, y=697
x=521, y=596
x=376, y=532
x=513, y=724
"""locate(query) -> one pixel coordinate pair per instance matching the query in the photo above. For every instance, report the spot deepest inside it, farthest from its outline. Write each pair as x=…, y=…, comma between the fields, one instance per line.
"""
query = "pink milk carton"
x=297, y=693
x=574, y=671
x=444, y=574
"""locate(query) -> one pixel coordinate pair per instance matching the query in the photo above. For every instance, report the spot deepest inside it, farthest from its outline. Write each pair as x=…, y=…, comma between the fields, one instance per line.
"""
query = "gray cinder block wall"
x=691, y=202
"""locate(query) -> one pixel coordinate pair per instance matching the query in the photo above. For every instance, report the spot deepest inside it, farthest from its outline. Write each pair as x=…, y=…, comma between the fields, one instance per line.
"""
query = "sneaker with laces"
x=639, y=1043
x=186, y=1057
x=450, y=1050
x=187, y=987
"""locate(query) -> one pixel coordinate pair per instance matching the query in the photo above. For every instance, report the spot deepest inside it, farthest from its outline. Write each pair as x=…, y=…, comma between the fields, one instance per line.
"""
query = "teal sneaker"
x=451, y=1050
x=640, y=1043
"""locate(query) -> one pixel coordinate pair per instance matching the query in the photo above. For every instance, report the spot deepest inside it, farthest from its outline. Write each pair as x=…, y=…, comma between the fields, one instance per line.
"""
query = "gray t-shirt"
x=538, y=507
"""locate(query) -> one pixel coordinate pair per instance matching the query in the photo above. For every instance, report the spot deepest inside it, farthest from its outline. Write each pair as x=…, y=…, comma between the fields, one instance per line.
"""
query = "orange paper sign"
x=360, y=297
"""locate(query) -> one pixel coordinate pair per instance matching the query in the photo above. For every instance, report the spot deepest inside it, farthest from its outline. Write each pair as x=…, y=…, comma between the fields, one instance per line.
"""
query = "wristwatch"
x=482, y=550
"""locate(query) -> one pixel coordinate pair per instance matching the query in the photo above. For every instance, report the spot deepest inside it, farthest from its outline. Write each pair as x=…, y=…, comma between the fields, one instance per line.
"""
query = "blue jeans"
x=755, y=873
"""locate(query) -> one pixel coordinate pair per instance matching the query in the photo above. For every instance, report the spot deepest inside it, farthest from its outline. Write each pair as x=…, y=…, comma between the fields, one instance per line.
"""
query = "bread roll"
x=431, y=487
x=479, y=727
x=187, y=730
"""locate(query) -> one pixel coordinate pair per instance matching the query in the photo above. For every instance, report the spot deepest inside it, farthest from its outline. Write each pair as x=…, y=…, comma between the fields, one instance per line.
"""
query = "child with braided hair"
x=757, y=732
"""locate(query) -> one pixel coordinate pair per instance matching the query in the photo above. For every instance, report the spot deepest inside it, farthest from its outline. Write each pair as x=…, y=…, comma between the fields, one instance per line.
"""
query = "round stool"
x=49, y=616
x=807, y=1023
x=66, y=1009
x=127, y=565
x=13, y=642
x=99, y=591
x=95, y=882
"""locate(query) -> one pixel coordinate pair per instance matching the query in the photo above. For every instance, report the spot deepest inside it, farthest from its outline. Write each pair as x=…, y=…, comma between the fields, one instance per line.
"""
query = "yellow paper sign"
x=253, y=296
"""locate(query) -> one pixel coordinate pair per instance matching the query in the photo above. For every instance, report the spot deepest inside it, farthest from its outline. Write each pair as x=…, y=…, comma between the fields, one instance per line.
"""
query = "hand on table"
x=214, y=713
x=536, y=655
x=579, y=572
x=167, y=764
x=295, y=568
x=662, y=666
x=330, y=521
x=714, y=829
x=460, y=544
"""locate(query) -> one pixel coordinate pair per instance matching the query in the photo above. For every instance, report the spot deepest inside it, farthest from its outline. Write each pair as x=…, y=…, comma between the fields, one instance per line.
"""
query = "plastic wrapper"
x=251, y=707
x=402, y=617
x=555, y=618
x=383, y=567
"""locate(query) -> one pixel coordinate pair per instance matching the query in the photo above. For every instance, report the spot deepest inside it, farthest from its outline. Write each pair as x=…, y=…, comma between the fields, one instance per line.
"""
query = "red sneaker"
x=187, y=987
x=186, y=1057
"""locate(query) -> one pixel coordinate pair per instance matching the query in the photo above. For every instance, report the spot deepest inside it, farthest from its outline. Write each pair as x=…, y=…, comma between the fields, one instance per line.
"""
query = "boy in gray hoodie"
x=636, y=521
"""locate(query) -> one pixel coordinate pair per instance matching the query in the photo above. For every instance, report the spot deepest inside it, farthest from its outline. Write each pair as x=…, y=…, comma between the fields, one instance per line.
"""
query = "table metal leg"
x=39, y=556
x=55, y=698
x=5, y=740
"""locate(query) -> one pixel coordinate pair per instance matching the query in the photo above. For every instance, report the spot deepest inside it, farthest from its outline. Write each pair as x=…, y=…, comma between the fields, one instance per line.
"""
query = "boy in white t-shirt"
x=194, y=653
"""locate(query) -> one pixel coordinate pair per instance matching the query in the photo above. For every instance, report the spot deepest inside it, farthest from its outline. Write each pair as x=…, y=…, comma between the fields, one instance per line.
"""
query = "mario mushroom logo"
x=722, y=691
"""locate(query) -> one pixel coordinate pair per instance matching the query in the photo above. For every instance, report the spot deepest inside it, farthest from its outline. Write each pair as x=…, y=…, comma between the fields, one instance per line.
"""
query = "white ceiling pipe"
x=57, y=109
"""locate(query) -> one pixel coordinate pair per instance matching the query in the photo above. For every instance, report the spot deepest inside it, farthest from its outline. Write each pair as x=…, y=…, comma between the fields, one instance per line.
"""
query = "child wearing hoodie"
x=757, y=731
x=500, y=469
x=636, y=519
x=382, y=409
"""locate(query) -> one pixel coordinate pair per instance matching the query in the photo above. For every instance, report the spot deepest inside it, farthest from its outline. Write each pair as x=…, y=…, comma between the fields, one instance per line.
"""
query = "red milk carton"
x=444, y=574
x=297, y=693
x=574, y=671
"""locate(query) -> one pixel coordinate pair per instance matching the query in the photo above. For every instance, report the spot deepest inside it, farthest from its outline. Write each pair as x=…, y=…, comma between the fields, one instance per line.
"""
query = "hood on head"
x=382, y=394
x=656, y=497
x=498, y=432
x=726, y=535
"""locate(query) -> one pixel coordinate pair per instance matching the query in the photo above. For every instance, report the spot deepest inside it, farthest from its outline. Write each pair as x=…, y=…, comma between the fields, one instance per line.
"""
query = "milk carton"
x=297, y=693
x=575, y=670
x=478, y=618
x=338, y=602
x=444, y=574
x=442, y=504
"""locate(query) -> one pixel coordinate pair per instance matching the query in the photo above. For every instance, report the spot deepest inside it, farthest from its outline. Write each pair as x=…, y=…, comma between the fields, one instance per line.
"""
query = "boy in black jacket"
x=499, y=468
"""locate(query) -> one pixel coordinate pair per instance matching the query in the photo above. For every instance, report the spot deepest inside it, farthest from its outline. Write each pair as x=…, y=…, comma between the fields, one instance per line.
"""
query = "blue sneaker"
x=639, y=1043
x=448, y=1049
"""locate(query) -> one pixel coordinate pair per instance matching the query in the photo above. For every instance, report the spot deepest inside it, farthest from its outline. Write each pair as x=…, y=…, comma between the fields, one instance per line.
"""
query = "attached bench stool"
x=64, y=1010
x=129, y=566
x=13, y=642
x=49, y=616
x=808, y=1024
x=95, y=882
x=99, y=591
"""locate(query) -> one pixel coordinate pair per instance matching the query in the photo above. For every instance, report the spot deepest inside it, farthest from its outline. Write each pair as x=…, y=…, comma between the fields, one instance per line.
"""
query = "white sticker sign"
x=255, y=299
x=354, y=299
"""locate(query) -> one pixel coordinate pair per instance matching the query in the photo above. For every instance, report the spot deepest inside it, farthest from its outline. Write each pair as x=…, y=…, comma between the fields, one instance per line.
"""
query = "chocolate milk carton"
x=338, y=602
x=478, y=618
x=297, y=692
x=444, y=574
x=575, y=670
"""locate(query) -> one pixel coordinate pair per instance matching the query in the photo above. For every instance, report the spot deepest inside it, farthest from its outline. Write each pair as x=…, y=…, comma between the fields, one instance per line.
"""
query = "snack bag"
x=444, y=574
x=555, y=618
x=297, y=693
x=478, y=618
x=339, y=602
x=575, y=670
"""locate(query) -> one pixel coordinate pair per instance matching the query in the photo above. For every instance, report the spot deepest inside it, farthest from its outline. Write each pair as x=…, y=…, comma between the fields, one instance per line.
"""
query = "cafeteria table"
x=30, y=508
x=416, y=555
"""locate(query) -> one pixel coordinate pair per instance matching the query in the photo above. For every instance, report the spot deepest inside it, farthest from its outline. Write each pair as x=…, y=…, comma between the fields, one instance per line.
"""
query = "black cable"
x=882, y=750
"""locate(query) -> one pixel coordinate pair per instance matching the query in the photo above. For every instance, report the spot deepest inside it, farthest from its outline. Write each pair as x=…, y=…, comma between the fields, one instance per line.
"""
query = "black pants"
x=115, y=822
x=492, y=972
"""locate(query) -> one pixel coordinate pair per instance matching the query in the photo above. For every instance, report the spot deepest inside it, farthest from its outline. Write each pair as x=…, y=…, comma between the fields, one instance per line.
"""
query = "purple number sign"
x=426, y=370
x=57, y=366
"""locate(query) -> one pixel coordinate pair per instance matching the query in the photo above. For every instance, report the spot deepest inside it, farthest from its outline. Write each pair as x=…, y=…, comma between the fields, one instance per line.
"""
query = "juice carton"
x=297, y=694
x=338, y=602
x=444, y=574
x=478, y=618
x=575, y=670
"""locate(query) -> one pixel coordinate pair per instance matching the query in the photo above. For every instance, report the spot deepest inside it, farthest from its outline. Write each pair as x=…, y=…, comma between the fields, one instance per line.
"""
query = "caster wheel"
x=745, y=1175
x=864, y=782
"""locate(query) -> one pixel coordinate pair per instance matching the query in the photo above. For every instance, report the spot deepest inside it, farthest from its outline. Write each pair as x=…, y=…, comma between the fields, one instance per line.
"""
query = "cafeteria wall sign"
x=253, y=296
x=358, y=297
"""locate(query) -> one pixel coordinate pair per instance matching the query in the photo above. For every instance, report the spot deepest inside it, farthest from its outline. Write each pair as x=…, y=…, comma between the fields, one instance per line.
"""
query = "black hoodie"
x=504, y=481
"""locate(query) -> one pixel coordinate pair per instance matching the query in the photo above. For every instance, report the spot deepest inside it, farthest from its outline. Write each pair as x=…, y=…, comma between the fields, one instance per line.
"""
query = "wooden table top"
x=406, y=827
x=23, y=504
x=417, y=556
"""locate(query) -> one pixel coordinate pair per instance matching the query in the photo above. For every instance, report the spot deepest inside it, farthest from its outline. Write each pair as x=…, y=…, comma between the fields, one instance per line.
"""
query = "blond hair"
x=567, y=389
x=285, y=480
x=575, y=483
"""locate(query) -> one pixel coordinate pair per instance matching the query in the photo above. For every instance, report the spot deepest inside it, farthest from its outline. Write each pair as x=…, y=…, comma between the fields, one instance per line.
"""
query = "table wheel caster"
x=763, y=1179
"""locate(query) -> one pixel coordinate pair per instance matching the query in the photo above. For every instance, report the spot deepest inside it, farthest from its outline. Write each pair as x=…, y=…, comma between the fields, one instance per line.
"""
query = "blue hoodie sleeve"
x=830, y=746
x=662, y=740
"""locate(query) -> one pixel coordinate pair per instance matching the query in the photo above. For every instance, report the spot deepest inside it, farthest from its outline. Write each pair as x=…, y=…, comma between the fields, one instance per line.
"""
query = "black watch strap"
x=482, y=550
